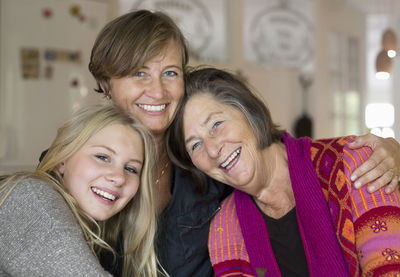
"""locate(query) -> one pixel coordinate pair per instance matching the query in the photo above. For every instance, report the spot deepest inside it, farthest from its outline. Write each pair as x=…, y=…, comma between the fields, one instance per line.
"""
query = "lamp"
x=389, y=43
x=383, y=66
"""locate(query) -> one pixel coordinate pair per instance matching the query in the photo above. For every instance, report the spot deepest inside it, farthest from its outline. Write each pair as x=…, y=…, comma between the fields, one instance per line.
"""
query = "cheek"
x=132, y=189
x=119, y=100
x=177, y=90
x=201, y=162
x=80, y=172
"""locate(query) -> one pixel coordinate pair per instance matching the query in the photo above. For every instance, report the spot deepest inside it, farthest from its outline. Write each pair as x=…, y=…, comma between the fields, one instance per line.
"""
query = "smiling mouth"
x=231, y=160
x=152, y=108
x=105, y=195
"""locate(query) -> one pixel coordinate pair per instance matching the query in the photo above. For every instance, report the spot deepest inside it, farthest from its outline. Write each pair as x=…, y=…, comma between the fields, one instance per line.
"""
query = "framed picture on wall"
x=279, y=33
x=203, y=23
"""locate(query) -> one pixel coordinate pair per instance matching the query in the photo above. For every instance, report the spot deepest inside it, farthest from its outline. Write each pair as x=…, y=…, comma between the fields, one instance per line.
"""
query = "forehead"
x=200, y=103
x=121, y=138
x=202, y=107
x=170, y=52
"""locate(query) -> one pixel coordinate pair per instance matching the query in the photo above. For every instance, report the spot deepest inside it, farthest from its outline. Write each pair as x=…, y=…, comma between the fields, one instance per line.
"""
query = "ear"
x=61, y=168
x=107, y=94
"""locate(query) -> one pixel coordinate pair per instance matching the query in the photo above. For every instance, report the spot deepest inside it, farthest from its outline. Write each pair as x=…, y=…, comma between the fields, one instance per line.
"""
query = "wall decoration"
x=47, y=13
x=76, y=11
x=30, y=63
x=63, y=55
x=203, y=23
x=48, y=72
x=279, y=32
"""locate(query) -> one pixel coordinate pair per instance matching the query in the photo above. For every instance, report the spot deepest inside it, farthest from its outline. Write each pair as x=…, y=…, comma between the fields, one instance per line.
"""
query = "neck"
x=275, y=196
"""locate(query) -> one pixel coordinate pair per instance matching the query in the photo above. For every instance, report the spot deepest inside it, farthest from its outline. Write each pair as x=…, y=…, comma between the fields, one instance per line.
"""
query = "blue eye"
x=170, y=74
x=216, y=124
x=194, y=146
x=131, y=170
x=102, y=157
x=139, y=74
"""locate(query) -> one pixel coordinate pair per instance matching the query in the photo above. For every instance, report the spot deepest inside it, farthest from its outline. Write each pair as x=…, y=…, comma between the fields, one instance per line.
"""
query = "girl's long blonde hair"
x=137, y=221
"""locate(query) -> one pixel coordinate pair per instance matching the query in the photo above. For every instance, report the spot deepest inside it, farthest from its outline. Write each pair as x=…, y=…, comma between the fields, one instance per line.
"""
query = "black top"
x=184, y=226
x=287, y=245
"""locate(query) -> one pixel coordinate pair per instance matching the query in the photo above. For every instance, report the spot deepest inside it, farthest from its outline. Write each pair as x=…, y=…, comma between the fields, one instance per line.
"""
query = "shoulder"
x=40, y=235
x=226, y=216
x=36, y=194
x=333, y=149
x=225, y=238
x=35, y=203
x=32, y=192
x=338, y=149
x=335, y=144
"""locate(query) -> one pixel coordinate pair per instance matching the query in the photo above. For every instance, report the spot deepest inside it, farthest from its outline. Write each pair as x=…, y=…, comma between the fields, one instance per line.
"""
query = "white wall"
x=32, y=109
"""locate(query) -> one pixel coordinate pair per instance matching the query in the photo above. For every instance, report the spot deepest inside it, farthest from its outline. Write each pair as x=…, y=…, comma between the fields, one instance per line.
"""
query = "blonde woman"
x=93, y=184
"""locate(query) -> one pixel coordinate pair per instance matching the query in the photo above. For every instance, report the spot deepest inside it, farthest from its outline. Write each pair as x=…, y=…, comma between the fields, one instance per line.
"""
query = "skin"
x=381, y=165
x=213, y=134
x=221, y=143
x=152, y=95
x=110, y=161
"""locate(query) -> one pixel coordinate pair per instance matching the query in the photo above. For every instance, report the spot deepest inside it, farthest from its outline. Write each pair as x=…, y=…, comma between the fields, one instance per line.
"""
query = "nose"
x=116, y=176
x=156, y=88
x=213, y=147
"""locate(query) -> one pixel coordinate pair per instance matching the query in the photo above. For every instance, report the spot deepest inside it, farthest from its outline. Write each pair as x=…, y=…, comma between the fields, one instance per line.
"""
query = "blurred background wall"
x=312, y=61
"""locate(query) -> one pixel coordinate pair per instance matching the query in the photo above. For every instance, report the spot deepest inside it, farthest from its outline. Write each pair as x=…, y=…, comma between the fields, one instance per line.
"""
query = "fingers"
x=393, y=185
x=377, y=177
x=382, y=168
x=365, y=140
x=366, y=173
x=377, y=173
x=382, y=181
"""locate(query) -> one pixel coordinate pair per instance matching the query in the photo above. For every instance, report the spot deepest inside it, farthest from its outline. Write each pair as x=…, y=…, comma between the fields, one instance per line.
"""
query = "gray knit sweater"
x=39, y=235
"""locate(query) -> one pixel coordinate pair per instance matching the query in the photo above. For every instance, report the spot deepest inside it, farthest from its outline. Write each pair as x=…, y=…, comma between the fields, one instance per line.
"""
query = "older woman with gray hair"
x=294, y=210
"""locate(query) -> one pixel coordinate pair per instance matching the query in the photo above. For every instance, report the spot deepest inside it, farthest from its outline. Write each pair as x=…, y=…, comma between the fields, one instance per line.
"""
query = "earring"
x=108, y=97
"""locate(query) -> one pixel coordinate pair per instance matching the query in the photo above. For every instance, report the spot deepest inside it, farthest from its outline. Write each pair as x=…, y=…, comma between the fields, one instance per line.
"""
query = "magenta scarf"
x=323, y=252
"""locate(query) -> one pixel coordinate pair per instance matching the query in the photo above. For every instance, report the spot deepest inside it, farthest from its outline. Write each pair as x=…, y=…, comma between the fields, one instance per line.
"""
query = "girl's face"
x=152, y=95
x=104, y=174
x=220, y=142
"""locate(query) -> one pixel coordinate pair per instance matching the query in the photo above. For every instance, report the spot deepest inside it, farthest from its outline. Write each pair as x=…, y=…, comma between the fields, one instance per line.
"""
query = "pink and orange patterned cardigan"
x=345, y=232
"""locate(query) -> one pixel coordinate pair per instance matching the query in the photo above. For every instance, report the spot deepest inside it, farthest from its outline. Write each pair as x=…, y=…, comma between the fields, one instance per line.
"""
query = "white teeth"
x=104, y=194
x=152, y=108
x=234, y=155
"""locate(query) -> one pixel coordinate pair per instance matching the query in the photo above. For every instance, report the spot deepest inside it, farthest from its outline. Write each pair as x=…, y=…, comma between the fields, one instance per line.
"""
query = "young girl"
x=94, y=183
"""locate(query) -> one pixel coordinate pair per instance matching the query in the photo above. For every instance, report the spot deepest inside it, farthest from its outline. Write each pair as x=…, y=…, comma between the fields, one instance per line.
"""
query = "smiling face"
x=104, y=174
x=154, y=92
x=220, y=141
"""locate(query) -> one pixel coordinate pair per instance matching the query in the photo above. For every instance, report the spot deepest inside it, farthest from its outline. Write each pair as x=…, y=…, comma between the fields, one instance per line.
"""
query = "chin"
x=100, y=218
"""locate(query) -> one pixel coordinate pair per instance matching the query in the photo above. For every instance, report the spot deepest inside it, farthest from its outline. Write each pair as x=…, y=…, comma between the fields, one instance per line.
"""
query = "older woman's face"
x=154, y=92
x=220, y=141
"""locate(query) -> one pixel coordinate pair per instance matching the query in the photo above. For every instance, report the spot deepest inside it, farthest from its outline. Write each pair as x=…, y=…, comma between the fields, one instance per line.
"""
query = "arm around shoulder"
x=376, y=218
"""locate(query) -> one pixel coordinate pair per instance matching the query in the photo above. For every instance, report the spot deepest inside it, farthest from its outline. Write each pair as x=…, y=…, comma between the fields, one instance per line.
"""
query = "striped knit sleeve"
x=376, y=218
x=226, y=246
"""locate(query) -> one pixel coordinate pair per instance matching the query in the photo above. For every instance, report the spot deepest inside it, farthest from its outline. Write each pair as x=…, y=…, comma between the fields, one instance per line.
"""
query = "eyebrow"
x=208, y=118
x=173, y=66
x=115, y=153
x=164, y=68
